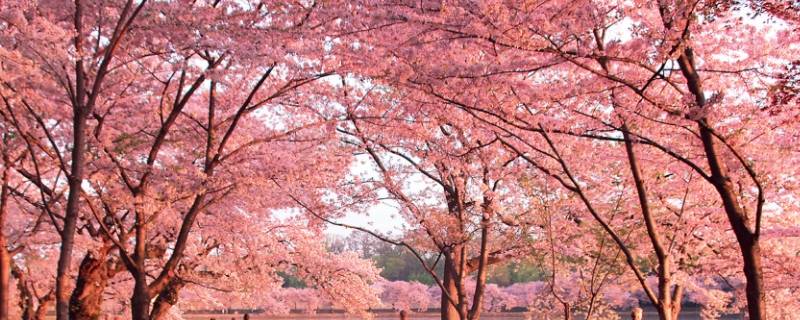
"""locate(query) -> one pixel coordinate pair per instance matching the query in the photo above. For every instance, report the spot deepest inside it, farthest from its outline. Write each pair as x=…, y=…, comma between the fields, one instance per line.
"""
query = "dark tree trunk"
x=93, y=275
x=5, y=256
x=25, y=296
x=751, y=252
x=71, y=213
x=140, y=300
x=567, y=311
x=83, y=101
x=5, y=276
x=748, y=239
x=167, y=298
x=44, y=305
x=720, y=178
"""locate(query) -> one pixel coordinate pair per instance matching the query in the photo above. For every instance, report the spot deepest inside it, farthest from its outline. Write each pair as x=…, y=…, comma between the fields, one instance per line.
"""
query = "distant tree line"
x=398, y=264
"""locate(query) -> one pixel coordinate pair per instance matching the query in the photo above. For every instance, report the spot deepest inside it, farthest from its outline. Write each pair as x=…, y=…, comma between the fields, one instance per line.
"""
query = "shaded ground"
x=691, y=313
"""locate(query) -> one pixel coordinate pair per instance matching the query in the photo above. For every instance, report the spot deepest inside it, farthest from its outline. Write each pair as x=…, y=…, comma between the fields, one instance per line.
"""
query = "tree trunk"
x=83, y=102
x=5, y=256
x=140, y=300
x=720, y=179
x=25, y=296
x=460, y=263
x=93, y=275
x=751, y=253
x=665, y=299
x=44, y=304
x=5, y=277
x=480, y=281
x=664, y=312
x=167, y=298
x=75, y=179
x=748, y=239
x=449, y=311
x=677, y=299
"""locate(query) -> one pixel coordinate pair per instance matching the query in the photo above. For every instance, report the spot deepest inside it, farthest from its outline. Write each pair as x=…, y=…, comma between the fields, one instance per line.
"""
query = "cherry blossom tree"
x=53, y=63
x=160, y=129
x=169, y=150
x=304, y=299
x=405, y=296
x=653, y=74
x=26, y=236
x=251, y=281
x=448, y=179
